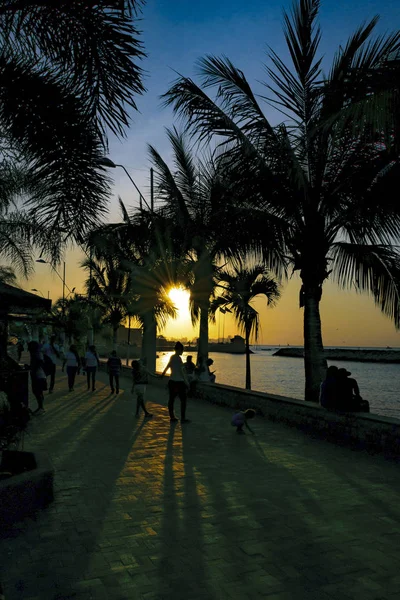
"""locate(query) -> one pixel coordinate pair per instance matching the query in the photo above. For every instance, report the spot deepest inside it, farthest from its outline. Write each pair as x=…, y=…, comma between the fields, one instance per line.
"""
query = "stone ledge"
x=374, y=431
x=24, y=493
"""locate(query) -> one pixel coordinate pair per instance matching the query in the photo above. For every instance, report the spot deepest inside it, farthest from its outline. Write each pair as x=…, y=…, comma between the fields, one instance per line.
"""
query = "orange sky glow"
x=348, y=319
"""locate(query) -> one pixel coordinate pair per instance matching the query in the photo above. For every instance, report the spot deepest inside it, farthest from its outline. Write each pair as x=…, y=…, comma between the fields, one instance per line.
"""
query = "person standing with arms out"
x=114, y=366
x=177, y=384
x=73, y=363
x=140, y=379
x=91, y=364
x=51, y=352
x=38, y=376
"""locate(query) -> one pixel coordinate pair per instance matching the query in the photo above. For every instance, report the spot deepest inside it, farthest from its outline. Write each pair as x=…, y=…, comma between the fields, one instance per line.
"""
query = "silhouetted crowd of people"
x=340, y=392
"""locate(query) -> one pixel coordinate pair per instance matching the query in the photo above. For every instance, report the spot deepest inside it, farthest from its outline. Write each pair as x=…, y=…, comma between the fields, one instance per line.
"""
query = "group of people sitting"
x=340, y=392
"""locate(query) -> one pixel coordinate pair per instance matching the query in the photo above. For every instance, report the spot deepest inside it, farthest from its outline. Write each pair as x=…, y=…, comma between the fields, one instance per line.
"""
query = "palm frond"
x=94, y=46
x=370, y=269
x=61, y=147
x=236, y=98
x=167, y=188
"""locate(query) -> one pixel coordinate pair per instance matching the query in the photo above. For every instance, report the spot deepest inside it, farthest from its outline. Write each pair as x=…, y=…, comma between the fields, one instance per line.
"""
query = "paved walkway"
x=147, y=511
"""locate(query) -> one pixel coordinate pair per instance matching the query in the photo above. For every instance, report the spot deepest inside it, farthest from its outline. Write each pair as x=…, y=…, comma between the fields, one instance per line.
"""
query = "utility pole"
x=152, y=189
x=63, y=293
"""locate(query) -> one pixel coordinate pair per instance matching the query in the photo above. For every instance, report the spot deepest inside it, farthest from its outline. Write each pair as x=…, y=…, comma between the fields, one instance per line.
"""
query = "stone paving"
x=149, y=511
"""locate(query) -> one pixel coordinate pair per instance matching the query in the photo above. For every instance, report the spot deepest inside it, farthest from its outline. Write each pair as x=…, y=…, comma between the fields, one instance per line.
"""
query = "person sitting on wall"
x=329, y=393
x=349, y=393
x=211, y=374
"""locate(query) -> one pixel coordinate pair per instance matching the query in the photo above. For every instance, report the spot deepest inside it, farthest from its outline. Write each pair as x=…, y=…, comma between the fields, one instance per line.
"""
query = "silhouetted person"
x=38, y=376
x=329, y=389
x=73, y=363
x=91, y=364
x=177, y=384
x=140, y=379
x=349, y=393
x=190, y=368
x=114, y=366
x=240, y=419
x=20, y=349
x=51, y=352
x=211, y=374
x=202, y=371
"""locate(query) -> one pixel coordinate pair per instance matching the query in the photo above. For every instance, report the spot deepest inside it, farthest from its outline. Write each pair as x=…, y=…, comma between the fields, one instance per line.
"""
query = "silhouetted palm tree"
x=110, y=287
x=68, y=75
x=241, y=285
x=211, y=223
x=326, y=178
x=138, y=244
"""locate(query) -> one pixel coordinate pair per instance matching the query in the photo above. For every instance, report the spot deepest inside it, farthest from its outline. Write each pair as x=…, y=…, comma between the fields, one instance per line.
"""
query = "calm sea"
x=379, y=383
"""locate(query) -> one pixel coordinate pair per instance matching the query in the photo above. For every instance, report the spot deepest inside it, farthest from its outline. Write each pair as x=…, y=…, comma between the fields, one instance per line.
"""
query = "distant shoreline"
x=357, y=355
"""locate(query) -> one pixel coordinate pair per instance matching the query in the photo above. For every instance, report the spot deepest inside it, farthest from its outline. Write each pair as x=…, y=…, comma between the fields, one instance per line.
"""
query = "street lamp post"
x=107, y=162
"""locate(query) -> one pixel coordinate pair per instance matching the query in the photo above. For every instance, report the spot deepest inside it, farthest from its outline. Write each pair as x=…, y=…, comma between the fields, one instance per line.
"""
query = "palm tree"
x=209, y=222
x=241, y=285
x=325, y=178
x=139, y=245
x=150, y=305
x=69, y=74
x=109, y=286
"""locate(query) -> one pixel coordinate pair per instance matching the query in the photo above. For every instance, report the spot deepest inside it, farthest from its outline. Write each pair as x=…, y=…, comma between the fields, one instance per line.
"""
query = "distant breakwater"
x=359, y=355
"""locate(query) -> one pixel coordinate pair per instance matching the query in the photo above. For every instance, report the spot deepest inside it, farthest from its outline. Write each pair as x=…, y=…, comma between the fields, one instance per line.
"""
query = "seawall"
x=378, y=433
x=383, y=356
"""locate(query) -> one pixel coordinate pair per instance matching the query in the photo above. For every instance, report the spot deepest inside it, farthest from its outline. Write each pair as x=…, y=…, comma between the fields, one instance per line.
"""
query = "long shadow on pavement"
x=66, y=550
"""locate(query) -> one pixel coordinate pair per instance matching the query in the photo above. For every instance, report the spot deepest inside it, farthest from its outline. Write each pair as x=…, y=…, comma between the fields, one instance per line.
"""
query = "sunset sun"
x=180, y=298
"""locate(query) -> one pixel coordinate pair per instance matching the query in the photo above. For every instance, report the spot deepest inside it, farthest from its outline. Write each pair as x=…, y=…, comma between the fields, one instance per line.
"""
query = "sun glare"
x=180, y=298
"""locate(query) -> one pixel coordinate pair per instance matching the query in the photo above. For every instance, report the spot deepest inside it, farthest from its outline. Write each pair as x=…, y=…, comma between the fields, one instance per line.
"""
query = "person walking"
x=73, y=363
x=114, y=366
x=91, y=364
x=140, y=379
x=51, y=353
x=38, y=376
x=178, y=384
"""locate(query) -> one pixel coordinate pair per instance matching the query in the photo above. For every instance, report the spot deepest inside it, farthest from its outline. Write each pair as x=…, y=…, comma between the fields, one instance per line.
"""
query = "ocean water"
x=379, y=383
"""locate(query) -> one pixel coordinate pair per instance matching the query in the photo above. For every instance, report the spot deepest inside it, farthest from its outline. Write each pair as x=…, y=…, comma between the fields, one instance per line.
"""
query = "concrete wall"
x=374, y=431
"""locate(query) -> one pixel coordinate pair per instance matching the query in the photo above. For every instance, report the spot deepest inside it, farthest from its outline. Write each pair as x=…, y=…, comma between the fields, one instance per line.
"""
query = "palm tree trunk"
x=115, y=336
x=314, y=360
x=248, y=370
x=202, y=349
x=149, y=341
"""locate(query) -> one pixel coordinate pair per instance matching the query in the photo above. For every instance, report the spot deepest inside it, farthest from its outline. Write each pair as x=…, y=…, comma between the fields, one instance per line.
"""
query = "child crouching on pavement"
x=140, y=379
x=241, y=418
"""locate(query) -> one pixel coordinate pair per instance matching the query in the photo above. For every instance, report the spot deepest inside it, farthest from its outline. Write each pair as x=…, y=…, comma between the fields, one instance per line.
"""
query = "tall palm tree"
x=209, y=220
x=241, y=285
x=110, y=286
x=69, y=74
x=326, y=176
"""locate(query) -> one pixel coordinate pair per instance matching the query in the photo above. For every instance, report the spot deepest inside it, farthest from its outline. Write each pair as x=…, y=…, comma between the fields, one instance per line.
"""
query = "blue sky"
x=178, y=32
